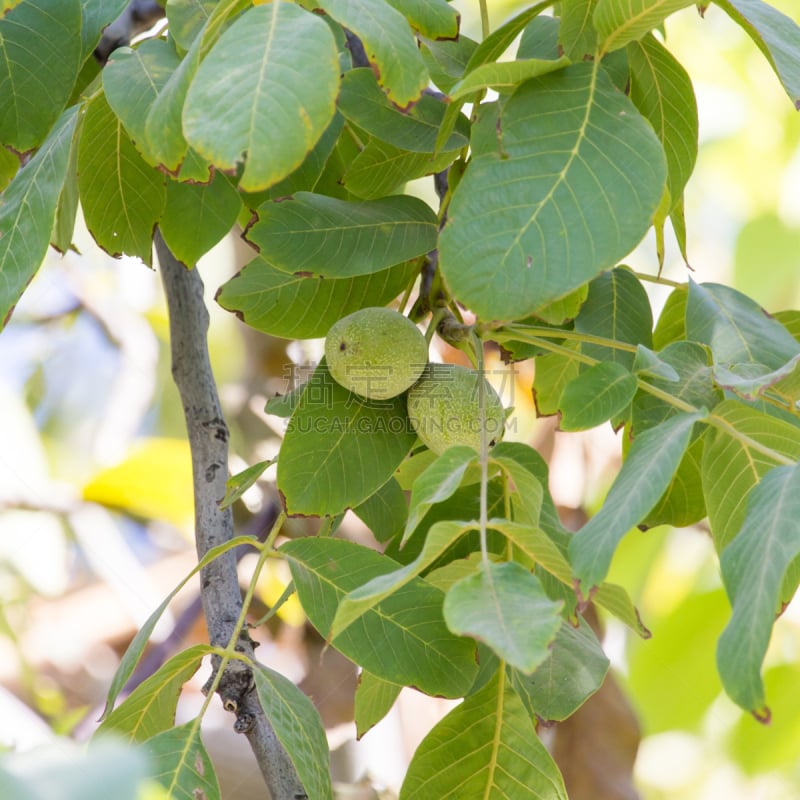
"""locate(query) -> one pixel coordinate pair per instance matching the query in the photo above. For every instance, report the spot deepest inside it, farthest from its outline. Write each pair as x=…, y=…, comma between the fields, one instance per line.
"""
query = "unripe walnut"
x=443, y=408
x=375, y=352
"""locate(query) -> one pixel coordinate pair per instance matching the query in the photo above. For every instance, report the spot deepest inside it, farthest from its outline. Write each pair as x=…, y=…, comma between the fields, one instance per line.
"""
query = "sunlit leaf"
x=435, y=19
x=274, y=102
x=137, y=645
x=320, y=235
x=596, y=395
x=621, y=21
x=299, y=729
x=180, y=763
x=28, y=210
x=507, y=260
x=213, y=209
x=374, y=698
x=40, y=55
x=733, y=465
x=339, y=448
x=662, y=90
x=150, y=707
x=616, y=308
x=504, y=75
x=389, y=44
x=154, y=481
x=438, y=482
x=384, y=512
x=299, y=307
x=753, y=566
x=776, y=35
x=121, y=195
x=505, y=606
x=645, y=475
x=576, y=34
x=491, y=749
x=404, y=639
x=238, y=484
x=573, y=671
x=736, y=328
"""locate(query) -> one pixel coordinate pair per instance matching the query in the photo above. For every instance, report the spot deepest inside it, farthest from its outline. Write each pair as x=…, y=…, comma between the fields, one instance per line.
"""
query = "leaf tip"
x=762, y=715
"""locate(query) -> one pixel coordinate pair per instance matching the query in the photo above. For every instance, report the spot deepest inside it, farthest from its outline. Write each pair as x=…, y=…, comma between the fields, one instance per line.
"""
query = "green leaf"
x=732, y=465
x=671, y=325
x=446, y=61
x=296, y=307
x=753, y=566
x=438, y=482
x=131, y=657
x=299, y=729
x=213, y=209
x=364, y=598
x=645, y=475
x=384, y=512
x=506, y=261
x=9, y=166
x=616, y=600
x=540, y=39
x=775, y=34
x=621, y=21
x=492, y=751
x=596, y=395
x=28, y=210
x=374, y=699
x=504, y=76
x=650, y=365
x=96, y=15
x=275, y=102
x=695, y=386
x=662, y=91
x=187, y=18
x=238, y=484
x=736, y=328
x=616, y=308
x=573, y=671
x=381, y=169
x=122, y=197
x=389, y=44
x=576, y=36
x=313, y=233
x=751, y=381
x=683, y=503
x=164, y=124
x=435, y=19
x=339, y=448
x=40, y=56
x=181, y=764
x=364, y=104
x=132, y=80
x=67, y=208
x=404, y=639
x=505, y=606
x=527, y=494
x=150, y=707
x=553, y=373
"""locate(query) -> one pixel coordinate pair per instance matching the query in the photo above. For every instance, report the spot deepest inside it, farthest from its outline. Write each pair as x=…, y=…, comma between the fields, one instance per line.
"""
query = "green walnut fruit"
x=375, y=352
x=443, y=408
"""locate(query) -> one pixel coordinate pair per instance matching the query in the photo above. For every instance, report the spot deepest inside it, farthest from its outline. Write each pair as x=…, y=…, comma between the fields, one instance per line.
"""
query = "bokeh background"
x=95, y=482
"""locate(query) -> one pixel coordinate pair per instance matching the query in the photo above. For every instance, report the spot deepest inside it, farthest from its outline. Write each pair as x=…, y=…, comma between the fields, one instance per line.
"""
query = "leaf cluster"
x=269, y=117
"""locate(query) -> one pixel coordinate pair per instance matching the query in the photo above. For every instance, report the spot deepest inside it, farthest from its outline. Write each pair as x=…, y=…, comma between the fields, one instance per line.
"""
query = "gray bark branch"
x=208, y=440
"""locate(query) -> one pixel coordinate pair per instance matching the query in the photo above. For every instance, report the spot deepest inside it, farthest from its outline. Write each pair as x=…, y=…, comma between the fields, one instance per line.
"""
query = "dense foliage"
x=302, y=122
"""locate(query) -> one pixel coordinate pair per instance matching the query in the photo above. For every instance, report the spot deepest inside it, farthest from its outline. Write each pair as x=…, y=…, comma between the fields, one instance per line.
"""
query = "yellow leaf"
x=154, y=482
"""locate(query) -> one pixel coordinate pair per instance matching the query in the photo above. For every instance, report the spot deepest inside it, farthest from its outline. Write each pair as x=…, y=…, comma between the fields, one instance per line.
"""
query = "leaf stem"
x=484, y=6
x=714, y=421
x=477, y=346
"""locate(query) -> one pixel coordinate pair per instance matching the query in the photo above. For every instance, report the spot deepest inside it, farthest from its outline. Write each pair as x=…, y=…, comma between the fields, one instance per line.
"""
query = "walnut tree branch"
x=208, y=440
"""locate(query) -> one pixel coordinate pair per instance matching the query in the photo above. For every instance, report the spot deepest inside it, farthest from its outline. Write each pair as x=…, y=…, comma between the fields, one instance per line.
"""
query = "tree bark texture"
x=208, y=440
